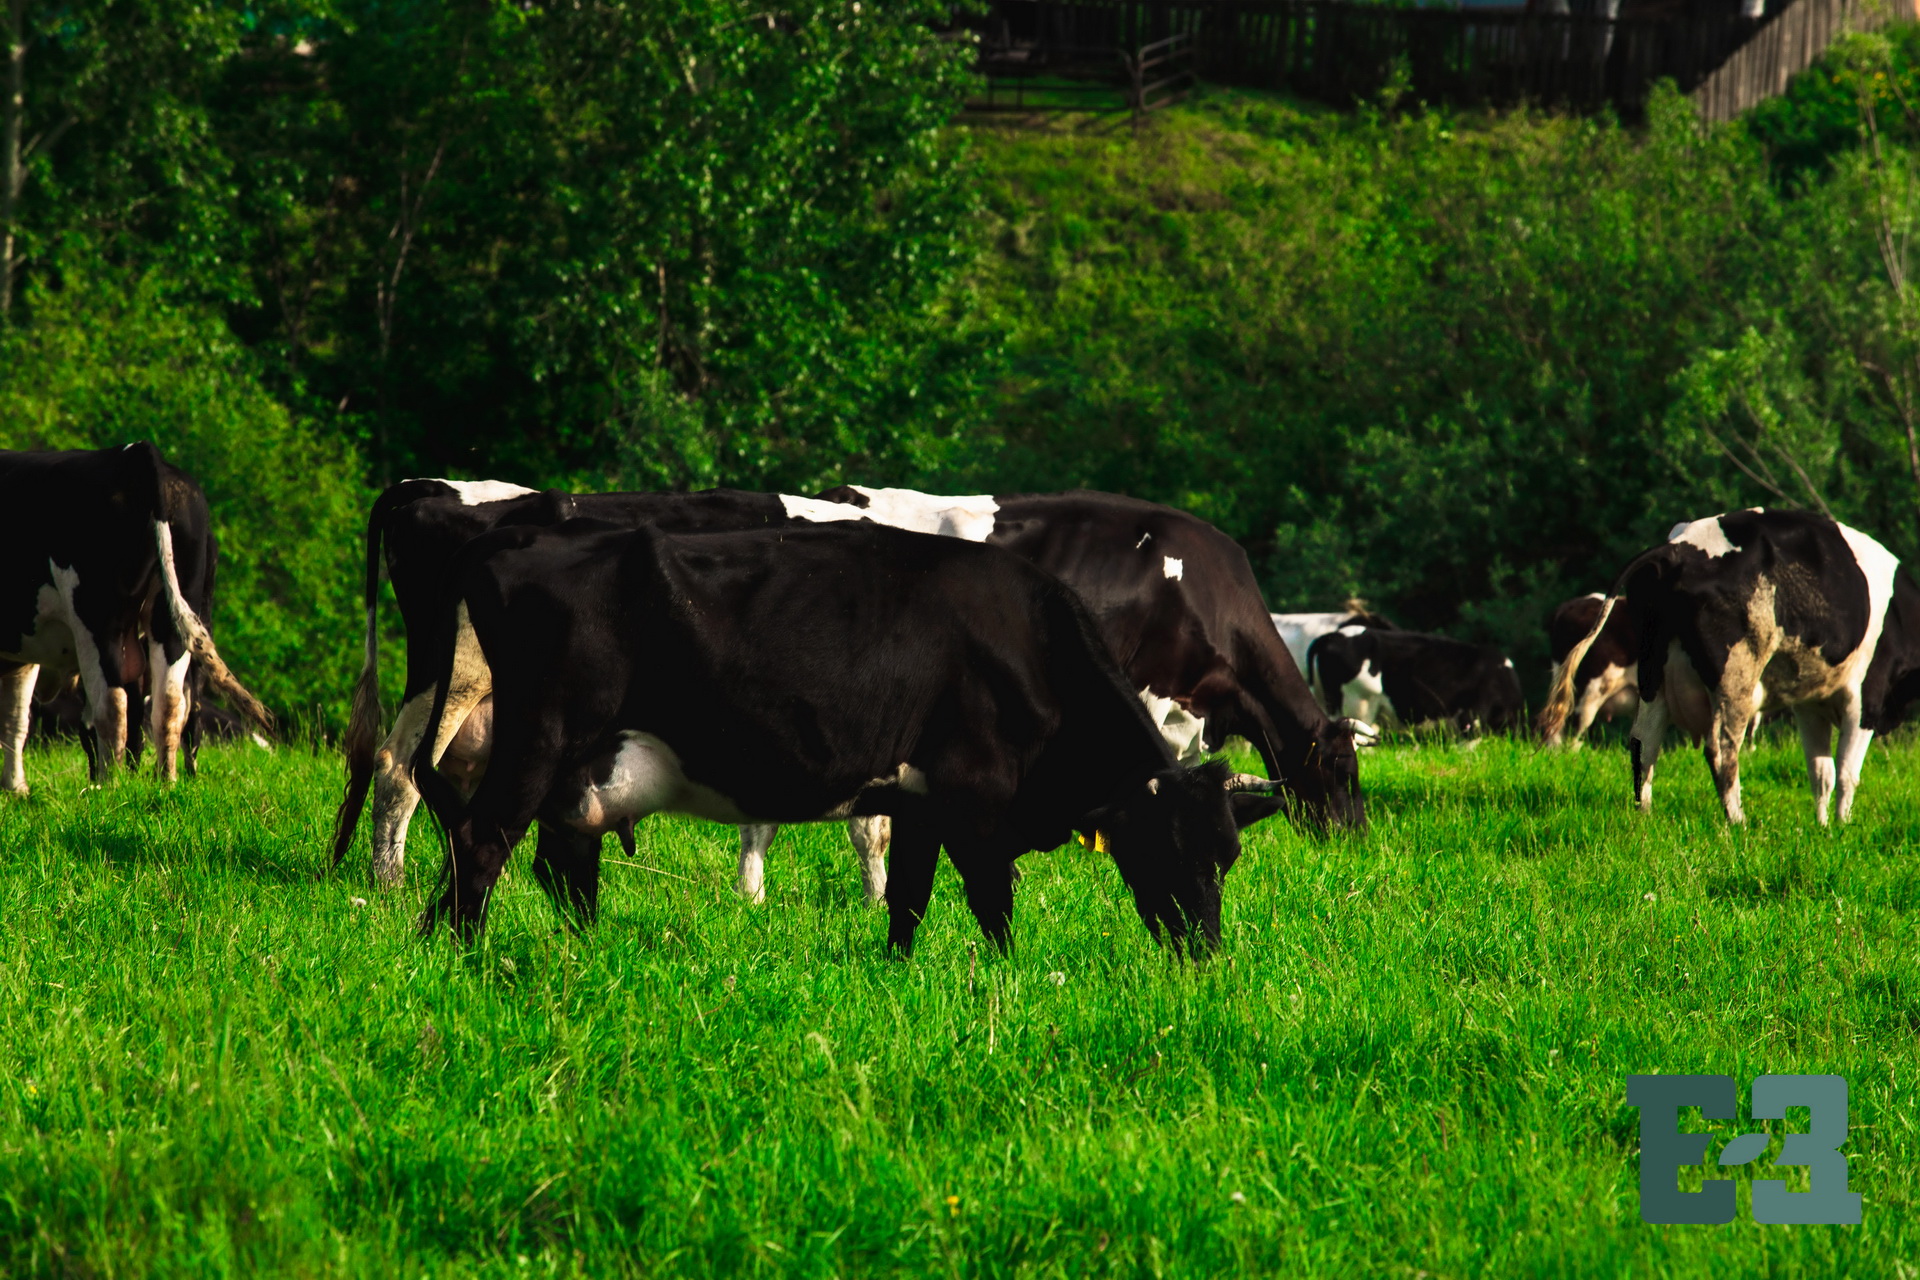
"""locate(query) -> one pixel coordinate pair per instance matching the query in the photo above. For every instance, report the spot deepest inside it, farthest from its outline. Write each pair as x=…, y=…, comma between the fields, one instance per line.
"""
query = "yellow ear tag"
x=1100, y=844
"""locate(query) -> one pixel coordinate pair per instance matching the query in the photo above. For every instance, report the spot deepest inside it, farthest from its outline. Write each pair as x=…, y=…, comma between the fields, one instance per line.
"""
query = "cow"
x=420, y=524
x=808, y=674
x=106, y=583
x=1759, y=609
x=1298, y=631
x=1411, y=678
x=1607, y=683
x=1187, y=637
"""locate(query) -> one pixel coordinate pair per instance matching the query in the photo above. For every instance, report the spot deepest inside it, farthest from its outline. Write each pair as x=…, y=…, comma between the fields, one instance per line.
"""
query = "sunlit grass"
x=1409, y=1056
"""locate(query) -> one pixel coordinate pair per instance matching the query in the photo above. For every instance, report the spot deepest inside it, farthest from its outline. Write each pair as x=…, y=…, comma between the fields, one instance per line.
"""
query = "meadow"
x=1408, y=1058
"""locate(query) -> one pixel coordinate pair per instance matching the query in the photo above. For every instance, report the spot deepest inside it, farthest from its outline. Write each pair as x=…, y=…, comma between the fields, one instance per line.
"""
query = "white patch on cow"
x=1185, y=732
x=1142, y=542
x=814, y=509
x=644, y=776
x=1595, y=595
x=1509, y=662
x=1173, y=568
x=475, y=492
x=1365, y=697
x=910, y=780
x=969, y=516
x=1879, y=565
x=93, y=676
x=1705, y=534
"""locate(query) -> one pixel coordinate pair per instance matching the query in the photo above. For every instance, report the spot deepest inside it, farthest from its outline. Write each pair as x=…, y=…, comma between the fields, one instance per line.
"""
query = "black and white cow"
x=1186, y=635
x=1410, y=678
x=1298, y=631
x=106, y=582
x=808, y=674
x=1758, y=609
x=1606, y=684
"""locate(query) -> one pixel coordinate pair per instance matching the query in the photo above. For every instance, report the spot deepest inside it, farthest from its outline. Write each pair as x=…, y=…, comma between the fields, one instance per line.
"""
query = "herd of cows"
x=987, y=675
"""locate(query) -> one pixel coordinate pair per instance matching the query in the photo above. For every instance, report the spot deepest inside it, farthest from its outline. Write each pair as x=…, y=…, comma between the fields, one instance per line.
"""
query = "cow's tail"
x=194, y=631
x=362, y=740
x=1313, y=678
x=1553, y=717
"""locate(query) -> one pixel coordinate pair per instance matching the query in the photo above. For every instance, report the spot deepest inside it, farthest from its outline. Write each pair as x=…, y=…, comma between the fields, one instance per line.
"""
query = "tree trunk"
x=13, y=110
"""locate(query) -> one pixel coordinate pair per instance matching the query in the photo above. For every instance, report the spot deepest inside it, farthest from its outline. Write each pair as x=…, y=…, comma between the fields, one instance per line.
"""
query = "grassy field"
x=1408, y=1059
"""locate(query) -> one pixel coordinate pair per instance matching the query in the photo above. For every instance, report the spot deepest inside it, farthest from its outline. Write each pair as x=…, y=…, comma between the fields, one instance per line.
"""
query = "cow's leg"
x=1724, y=738
x=16, y=713
x=755, y=837
x=1592, y=698
x=870, y=836
x=566, y=864
x=988, y=876
x=477, y=853
x=1644, y=743
x=1816, y=740
x=394, y=797
x=916, y=852
x=1855, y=738
x=167, y=714
x=108, y=714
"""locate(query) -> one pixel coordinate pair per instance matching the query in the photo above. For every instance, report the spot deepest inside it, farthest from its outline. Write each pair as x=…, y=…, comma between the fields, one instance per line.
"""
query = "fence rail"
x=1338, y=51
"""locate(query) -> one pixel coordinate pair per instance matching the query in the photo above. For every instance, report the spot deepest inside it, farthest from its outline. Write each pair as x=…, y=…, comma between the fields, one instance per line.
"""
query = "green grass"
x=1408, y=1058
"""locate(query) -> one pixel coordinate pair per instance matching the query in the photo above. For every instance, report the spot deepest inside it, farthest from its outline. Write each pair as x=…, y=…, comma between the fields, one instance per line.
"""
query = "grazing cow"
x=1758, y=609
x=1607, y=682
x=1298, y=631
x=1410, y=678
x=421, y=524
x=784, y=675
x=106, y=583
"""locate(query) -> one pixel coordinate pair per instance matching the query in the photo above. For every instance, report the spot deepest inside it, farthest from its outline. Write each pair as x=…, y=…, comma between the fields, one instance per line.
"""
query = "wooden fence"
x=1782, y=49
x=1340, y=52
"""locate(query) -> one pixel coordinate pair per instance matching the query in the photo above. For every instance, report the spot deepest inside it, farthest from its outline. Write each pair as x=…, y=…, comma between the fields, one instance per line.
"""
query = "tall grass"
x=1409, y=1056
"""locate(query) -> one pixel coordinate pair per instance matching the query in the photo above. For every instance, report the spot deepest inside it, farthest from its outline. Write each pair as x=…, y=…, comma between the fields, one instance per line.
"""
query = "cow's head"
x=1322, y=773
x=1174, y=838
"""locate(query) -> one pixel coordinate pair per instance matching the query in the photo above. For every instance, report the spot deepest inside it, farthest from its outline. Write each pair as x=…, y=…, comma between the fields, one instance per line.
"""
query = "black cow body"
x=1419, y=678
x=1755, y=610
x=805, y=674
x=1607, y=683
x=107, y=582
x=421, y=525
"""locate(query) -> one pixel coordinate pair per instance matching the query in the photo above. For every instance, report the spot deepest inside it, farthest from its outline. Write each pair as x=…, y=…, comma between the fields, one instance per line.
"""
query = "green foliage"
x=649, y=245
x=109, y=360
x=1409, y=1057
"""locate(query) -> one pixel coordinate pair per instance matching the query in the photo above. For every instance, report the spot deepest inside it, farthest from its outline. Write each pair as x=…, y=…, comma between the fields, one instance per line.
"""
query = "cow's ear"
x=1250, y=807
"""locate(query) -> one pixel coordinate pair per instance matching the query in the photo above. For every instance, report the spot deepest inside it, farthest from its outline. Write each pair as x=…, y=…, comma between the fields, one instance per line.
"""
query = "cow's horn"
x=1250, y=782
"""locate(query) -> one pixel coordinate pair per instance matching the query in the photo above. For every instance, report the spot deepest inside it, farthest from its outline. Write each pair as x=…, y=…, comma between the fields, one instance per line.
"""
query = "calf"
x=106, y=583
x=1410, y=678
x=1758, y=609
x=1606, y=683
x=809, y=674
